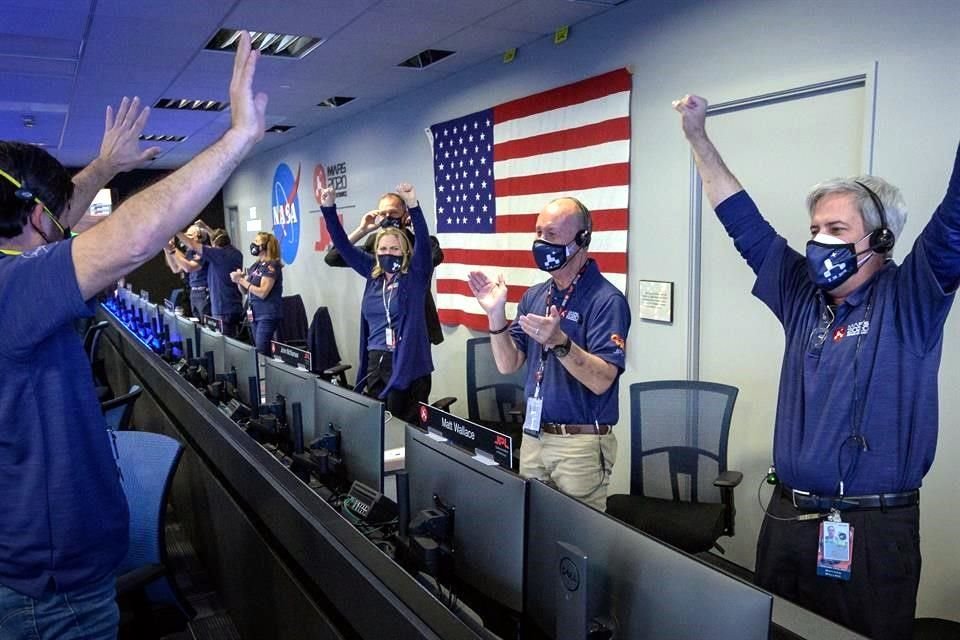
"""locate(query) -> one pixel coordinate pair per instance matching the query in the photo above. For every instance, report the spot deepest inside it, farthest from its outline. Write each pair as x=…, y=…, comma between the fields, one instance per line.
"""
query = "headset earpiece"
x=582, y=238
x=882, y=238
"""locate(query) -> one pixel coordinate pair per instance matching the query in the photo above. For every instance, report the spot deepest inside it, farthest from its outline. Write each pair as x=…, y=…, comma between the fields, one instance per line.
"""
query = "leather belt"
x=576, y=429
x=806, y=501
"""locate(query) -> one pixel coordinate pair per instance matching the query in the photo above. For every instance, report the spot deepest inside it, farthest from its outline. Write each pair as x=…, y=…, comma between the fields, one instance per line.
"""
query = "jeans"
x=263, y=331
x=89, y=613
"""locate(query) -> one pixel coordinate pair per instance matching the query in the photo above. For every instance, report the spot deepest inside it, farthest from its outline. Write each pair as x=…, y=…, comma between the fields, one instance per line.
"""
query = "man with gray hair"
x=856, y=422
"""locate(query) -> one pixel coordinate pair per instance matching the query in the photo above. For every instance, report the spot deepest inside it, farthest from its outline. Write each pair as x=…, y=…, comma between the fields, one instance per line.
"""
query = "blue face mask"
x=388, y=223
x=549, y=256
x=831, y=261
x=389, y=263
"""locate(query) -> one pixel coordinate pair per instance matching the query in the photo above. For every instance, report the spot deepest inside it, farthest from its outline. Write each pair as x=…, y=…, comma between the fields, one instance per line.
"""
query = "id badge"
x=835, y=555
x=390, y=342
x=531, y=423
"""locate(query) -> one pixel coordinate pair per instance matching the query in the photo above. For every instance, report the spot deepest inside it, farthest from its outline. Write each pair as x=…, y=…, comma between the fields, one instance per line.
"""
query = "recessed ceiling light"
x=335, y=101
x=280, y=128
x=189, y=104
x=162, y=138
x=269, y=44
x=426, y=58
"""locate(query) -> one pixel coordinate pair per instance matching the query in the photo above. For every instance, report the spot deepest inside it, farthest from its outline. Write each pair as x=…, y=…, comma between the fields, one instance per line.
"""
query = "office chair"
x=293, y=328
x=494, y=400
x=325, y=357
x=119, y=410
x=91, y=342
x=147, y=462
x=680, y=489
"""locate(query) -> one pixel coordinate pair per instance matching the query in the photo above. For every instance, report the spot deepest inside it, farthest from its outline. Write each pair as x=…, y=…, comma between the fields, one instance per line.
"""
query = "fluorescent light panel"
x=280, y=45
x=189, y=104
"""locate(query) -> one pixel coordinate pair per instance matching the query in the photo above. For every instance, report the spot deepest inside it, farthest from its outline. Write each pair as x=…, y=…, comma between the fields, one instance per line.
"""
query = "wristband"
x=494, y=332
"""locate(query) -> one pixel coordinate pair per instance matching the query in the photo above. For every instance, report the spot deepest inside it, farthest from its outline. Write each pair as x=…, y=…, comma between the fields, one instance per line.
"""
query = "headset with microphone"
x=881, y=238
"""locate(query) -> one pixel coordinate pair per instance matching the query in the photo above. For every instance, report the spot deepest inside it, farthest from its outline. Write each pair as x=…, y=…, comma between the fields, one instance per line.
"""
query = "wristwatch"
x=562, y=350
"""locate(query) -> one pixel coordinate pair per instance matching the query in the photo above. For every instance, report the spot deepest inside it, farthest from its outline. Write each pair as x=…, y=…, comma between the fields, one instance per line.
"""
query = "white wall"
x=721, y=50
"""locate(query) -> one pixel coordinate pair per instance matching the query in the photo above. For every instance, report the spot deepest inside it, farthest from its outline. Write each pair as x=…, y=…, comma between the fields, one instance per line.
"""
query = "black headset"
x=882, y=238
x=582, y=239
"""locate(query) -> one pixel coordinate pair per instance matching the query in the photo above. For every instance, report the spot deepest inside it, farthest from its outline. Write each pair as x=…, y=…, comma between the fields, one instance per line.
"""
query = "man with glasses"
x=856, y=422
x=63, y=516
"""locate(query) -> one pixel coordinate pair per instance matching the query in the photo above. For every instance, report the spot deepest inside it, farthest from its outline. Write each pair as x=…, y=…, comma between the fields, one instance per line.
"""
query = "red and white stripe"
x=572, y=140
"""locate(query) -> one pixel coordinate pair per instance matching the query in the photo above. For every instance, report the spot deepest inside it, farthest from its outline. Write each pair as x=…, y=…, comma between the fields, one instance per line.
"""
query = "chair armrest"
x=728, y=479
x=443, y=403
x=336, y=370
x=137, y=578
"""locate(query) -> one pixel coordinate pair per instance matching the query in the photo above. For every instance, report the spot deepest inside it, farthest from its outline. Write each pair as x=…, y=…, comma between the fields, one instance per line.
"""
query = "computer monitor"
x=295, y=385
x=212, y=341
x=170, y=323
x=241, y=357
x=643, y=587
x=188, y=331
x=359, y=420
x=489, y=504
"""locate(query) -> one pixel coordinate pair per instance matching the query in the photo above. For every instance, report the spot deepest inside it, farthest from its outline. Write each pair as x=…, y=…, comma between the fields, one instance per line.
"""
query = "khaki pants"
x=578, y=465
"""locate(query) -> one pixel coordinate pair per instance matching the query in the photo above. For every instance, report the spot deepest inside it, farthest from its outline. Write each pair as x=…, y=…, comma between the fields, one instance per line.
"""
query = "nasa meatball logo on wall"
x=286, y=211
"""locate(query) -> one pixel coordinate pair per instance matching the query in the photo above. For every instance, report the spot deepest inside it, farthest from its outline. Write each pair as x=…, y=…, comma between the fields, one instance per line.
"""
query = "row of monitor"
x=527, y=546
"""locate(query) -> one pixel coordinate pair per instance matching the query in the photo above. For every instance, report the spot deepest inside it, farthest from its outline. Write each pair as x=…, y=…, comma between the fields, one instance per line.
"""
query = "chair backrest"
x=321, y=342
x=91, y=339
x=147, y=463
x=678, y=442
x=491, y=395
x=119, y=410
x=293, y=327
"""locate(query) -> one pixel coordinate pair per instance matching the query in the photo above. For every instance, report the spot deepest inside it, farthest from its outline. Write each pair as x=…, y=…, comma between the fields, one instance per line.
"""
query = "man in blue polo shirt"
x=219, y=260
x=856, y=422
x=63, y=517
x=571, y=331
x=189, y=262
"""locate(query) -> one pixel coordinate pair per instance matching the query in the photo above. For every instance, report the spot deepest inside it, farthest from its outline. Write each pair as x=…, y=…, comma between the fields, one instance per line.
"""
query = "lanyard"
x=387, y=299
x=562, y=309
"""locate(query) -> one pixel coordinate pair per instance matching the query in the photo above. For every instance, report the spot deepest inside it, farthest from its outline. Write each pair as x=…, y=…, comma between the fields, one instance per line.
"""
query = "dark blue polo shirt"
x=63, y=515
x=597, y=319
x=196, y=278
x=225, y=296
x=377, y=298
x=873, y=372
x=272, y=305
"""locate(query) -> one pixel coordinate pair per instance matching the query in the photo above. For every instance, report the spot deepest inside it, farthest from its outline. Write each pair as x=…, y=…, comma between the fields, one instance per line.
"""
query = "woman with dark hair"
x=263, y=281
x=395, y=363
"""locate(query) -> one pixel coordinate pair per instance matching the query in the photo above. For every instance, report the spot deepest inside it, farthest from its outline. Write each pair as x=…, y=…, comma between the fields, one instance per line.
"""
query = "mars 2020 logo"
x=286, y=211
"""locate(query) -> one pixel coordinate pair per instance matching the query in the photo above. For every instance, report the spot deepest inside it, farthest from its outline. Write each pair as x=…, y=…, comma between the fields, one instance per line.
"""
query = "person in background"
x=220, y=259
x=263, y=282
x=571, y=332
x=856, y=422
x=395, y=360
x=392, y=212
x=63, y=517
x=189, y=262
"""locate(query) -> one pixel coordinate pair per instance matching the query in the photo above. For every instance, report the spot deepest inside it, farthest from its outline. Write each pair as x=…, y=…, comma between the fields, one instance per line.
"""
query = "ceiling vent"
x=336, y=101
x=280, y=128
x=188, y=104
x=269, y=44
x=157, y=138
x=426, y=58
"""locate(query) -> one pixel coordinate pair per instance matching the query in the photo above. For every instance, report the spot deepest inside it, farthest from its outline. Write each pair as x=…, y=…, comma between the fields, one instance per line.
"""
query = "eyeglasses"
x=819, y=335
x=26, y=195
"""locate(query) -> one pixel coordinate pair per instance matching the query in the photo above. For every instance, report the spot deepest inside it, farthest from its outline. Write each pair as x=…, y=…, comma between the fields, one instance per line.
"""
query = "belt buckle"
x=562, y=429
x=793, y=496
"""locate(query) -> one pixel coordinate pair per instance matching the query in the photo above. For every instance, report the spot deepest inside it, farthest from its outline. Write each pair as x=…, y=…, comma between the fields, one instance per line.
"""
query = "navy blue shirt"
x=376, y=300
x=63, y=515
x=225, y=297
x=873, y=372
x=196, y=278
x=272, y=305
x=597, y=319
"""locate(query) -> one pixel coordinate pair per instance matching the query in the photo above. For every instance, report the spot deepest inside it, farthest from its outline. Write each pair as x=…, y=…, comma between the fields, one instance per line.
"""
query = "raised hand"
x=236, y=276
x=328, y=197
x=247, y=110
x=369, y=222
x=120, y=147
x=693, y=114
x=491, y=294
x=406, y=191
x=543, y=329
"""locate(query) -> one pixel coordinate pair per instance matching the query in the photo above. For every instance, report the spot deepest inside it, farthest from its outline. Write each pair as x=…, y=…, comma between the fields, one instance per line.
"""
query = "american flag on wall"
x=495, y=169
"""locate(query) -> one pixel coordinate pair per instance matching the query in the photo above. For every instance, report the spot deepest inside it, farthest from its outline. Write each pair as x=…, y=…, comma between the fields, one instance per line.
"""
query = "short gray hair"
x=894, y=207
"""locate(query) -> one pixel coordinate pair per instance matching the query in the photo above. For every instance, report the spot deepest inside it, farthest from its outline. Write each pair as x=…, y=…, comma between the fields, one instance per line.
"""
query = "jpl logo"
x=285, y=206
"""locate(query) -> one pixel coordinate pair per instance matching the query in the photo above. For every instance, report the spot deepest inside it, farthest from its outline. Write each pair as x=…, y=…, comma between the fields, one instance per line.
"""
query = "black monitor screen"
x=188, y=331
x=170, y=320
x=645, y=588
x=359, y=420
x=241, y=357
x=489, y=504
x=295, y=385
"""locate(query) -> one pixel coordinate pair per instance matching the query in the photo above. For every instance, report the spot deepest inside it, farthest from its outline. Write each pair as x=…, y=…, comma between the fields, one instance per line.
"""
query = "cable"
x=801, y=517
